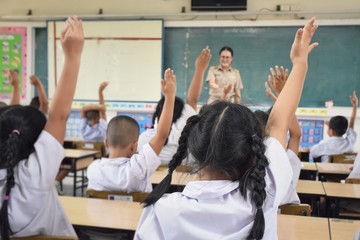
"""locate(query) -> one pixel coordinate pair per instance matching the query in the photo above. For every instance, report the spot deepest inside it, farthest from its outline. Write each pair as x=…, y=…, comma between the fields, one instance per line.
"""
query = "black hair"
x=35, y=102
x=178, y=108
x=226, y=48
x=122, y=130
x=339, y=124
x=227, y=138
x=263, y=117
x=92, y=115
x=20, y=127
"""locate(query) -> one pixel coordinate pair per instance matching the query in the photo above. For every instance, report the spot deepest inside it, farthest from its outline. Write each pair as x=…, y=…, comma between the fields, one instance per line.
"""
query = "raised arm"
x=14, y=81
x=168, y=87
x=44, y=103
x=195, y=88
x=102, y=86
x=72, y=41
x=295, y=135
x=288, y=100
x=354, y=102
x=95, y=107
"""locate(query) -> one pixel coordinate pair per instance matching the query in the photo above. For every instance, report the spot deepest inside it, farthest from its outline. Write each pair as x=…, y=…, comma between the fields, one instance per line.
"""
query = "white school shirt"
x=292, y=197
x=334, y=145
x=355, y=173
x=170, y=148
x=124, y=174
x=215, y=209
x=34, y=206
x=96, y=133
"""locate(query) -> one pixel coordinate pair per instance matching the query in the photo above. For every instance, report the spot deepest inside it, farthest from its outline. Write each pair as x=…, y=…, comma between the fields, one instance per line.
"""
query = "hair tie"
x=6, y=197
x=16, y=132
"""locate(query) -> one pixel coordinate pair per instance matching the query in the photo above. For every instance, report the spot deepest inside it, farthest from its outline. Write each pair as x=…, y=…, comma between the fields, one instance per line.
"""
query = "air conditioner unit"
x=218, y=5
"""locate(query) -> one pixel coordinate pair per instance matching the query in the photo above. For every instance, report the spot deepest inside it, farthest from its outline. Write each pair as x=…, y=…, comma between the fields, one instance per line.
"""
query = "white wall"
x=164, y=7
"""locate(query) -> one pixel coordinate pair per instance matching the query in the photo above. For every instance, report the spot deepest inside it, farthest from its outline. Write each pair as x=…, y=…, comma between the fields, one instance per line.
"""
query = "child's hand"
x=354, y=100
x=214, y=86
x=203, y=59
x=168, y=85
x=227, y=89
x=14, y=78
x=301, y=46
x=72, y=38
x=34, y=80
x=103, y=85
x=278, y=78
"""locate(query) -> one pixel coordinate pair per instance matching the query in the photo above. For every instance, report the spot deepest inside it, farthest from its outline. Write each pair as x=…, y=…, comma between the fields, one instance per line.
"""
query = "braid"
x=254, y=181
x=11, y=155
x=176, y=160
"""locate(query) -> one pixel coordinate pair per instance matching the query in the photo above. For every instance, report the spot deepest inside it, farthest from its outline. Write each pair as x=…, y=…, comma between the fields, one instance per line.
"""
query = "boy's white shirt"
x=34, y=206
x=215, y=209
x=124, y=174
x=96, y=133
x=334, y=145
x=355, y=173
x=170, y=148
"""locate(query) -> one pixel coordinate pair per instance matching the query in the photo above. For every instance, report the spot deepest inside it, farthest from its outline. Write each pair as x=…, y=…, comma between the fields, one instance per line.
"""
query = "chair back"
x=352, y=180
x=122, y=196
x=343, y=158
x=296, y=209
x=98, y=146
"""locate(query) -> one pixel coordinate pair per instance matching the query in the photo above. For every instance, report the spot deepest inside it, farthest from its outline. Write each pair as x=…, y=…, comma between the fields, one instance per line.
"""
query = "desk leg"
x=75, y=176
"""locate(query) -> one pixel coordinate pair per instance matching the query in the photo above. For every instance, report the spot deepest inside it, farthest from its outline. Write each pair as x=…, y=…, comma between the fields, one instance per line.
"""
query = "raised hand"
x=168, y=85
x=302, y=45
x=354, y=100
x=14, y=78
x=34, y=80
x=203, y=59
x=72, y=38
x=278, y=78
x=103, y=85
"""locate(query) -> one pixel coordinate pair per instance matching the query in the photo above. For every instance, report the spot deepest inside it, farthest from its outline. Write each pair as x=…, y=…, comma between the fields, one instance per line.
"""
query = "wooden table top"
x=334, y=168
x=78, y=153
x=343, y=229
x=309, y=166
x=102, y=213
x=310, y=187
x=292, y=227
x=342, y=190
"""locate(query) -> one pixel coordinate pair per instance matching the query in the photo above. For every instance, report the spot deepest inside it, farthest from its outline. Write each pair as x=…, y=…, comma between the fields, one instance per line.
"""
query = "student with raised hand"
x=182, y=111
x=277, y=81
x=124, y=169
x=14, y=81
x=40, y=102
x=337, y=143
x=31, y=153
x=93, y=123
x=242, y=178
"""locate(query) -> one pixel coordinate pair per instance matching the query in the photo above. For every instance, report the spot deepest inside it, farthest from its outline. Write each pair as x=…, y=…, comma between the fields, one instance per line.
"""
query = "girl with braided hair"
x=31, y=152
x=182, y=111
x=242, y=176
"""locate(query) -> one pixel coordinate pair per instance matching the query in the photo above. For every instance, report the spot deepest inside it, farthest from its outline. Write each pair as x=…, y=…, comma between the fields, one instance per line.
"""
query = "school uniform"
x=292, y=197
x=355, y=173
x=334, y=145
x=96, y=133
x=124, y=174
x=216, y=209
x=34, y=207
x=222, y=79
x=170, y=148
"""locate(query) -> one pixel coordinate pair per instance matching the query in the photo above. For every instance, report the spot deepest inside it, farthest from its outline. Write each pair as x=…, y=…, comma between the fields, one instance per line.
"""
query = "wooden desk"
x=100, y=213
x=336, y=171
x=341, y=229
x=311, y=192
x=79, y=160
x=300, y=227
x=308, y=171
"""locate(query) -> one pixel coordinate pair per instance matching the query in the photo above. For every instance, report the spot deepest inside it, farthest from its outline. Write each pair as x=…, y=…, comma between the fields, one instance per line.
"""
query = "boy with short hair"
x=125, y=170
x=337, y=143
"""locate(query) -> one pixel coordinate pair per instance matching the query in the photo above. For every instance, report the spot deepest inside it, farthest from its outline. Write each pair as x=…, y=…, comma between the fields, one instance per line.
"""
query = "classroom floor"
x=68, y=188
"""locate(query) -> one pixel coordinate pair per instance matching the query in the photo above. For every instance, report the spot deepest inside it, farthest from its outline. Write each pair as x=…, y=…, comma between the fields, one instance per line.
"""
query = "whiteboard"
x=127, y=54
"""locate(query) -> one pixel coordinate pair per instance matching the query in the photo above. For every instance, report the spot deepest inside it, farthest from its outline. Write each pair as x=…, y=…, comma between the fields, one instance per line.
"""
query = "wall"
x=163, y=7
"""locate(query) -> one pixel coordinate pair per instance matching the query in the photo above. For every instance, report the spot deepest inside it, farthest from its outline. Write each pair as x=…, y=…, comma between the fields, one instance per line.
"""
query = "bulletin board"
x=127, y=53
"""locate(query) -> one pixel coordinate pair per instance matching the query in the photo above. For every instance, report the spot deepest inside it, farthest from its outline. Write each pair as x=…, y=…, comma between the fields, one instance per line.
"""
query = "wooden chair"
x=122, y=196
x=343, y=158
x=352, y=180
x=98, y=146
x=42, y=237
x=296, y=209
x=184, y=168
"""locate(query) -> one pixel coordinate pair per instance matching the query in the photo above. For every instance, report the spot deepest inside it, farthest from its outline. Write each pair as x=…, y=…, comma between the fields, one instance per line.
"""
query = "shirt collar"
x=209, y=189
x=113, y=161
x=221, y=69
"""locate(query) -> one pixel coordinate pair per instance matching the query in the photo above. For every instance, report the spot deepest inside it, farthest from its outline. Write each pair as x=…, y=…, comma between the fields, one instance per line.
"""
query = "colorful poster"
x=13, y=44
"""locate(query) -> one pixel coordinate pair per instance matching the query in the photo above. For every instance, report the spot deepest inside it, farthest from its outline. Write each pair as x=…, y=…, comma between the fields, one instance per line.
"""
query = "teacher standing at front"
x=224, y=78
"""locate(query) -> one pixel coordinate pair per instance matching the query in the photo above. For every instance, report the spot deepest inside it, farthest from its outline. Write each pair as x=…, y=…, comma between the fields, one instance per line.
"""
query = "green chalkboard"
x=334, y=66
x=41, y=61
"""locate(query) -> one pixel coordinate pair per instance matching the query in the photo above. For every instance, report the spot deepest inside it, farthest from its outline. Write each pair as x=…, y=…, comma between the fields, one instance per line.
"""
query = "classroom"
x=115, y=62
